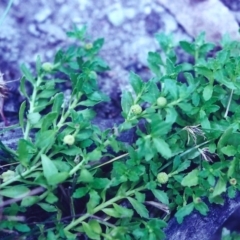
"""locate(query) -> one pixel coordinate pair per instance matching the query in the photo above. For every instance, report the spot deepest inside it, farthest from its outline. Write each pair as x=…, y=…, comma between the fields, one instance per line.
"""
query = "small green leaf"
x=48, y=120
x=49, y=168
x=188, y=47
x=57, y=178
x=161, y=196
x=34, y=117
x=162, y=147
x=89, y=232
x=45, y=139
x=136, y=83
x=191, y=179
x=27, y=73
x=80, y=192
x=184, y=211
x=229, y=150
x=111, y=212
x=16, y=191
x=94, y=200
x=51, y=198
x=95, y=226
x=202, y=208
x=126, y=102
x=220, y=187
x=57, y=102
x=47, y=207
x=139, y=207
x=29, y=201
x=21, y=227
x=123, y=212
x=21, y=114
x=207, y=92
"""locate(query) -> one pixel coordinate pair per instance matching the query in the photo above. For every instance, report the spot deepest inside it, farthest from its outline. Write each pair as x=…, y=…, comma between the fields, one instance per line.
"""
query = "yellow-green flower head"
x=162, y=177
x=69, y=139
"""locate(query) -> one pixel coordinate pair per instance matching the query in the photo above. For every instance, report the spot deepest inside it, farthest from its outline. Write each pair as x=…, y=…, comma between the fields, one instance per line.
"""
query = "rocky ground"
x=39, y=28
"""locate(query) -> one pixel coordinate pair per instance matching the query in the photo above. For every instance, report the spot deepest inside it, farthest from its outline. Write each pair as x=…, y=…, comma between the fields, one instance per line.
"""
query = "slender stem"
x=16, y=178
x=6, y=12
x=102, y=206
x=112, y=160
x=229, y=102
x=32, y=103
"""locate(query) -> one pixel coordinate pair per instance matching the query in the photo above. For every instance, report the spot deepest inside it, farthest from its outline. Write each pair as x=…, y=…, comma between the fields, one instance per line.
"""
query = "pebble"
x=116, y=17
x=42, y=15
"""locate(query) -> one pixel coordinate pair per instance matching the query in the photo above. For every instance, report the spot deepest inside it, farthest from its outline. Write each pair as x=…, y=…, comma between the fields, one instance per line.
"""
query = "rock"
x=197, y=226
x=203, y=15
x=42, y=15
x=116, y=17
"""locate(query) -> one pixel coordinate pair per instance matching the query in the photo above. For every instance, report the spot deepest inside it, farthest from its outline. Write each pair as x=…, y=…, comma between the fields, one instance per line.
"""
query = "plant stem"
x=31, y=107
x=16, y=178
x=102, y=206
x=6, y=12
x=229, y=102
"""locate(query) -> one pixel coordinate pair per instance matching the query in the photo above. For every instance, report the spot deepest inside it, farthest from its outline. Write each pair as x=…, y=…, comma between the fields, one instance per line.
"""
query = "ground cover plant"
x=70, y=179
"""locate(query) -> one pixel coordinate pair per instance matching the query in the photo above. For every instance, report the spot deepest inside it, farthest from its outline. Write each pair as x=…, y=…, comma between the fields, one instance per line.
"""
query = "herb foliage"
x=186, y=154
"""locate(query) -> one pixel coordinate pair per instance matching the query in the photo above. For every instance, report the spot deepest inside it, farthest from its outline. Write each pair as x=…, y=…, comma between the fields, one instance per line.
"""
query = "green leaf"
x=126, y=102
x=47, y=207
x=161, y=196
x=136, y=83
x=57, y=178
x=57, y=102
x=94, y=200
x=95, y=226
x=80, y=192
x=202, y=208
x=123, y=212
x=207, y=92
x=21, y=227
x=188, y=47
x=220, y=187
x=184, y=211
x=29, y=201
x=27, y=73
x=89, y=232
x=49, y=168
x=45, y=139
x=229, y=150
x=48, y=120
x=16, y=191
x=72, y=151
x=34, y=117
x=232, y=167
x=162, y=147
x=26, y=150
x=21, y=114
x=51, y=198
x=23, y=87
x=111, y=212
x=183, y=166
x=191, y=179
x=139, y=207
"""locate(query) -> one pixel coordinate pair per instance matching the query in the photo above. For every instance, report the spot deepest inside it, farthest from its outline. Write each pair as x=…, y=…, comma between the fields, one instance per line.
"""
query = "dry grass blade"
x=3, y=94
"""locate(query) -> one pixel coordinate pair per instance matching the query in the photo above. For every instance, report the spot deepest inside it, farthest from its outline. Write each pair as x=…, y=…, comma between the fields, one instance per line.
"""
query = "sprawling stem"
x=102, y=206
x=229, y=102
x=32, y=105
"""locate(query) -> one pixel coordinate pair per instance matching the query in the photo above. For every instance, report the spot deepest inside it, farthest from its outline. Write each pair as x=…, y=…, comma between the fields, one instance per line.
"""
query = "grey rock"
x=116, y=16
x=196, y=226
x=42, y=15
x=198, y=16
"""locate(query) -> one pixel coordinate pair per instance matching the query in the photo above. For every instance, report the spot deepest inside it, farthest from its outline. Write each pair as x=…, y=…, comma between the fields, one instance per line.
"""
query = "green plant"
x=186, y=152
